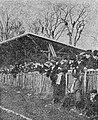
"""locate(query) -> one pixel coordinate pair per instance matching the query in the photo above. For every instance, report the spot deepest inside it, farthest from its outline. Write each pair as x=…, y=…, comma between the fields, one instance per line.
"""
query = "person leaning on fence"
x=77, y=88
x=53, y=77
x=58, y=81
x=92, y=104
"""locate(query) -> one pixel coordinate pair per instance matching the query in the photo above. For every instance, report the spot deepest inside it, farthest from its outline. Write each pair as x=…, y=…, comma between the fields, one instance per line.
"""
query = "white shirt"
x=59, y=78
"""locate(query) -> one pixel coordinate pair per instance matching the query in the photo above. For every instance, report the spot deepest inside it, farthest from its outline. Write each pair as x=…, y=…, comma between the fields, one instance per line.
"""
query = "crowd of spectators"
x=56, y=68
x=86, y=59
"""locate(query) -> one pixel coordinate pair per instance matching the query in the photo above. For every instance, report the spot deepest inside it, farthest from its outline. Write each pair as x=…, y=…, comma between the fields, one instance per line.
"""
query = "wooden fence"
x=89, y=78
x=41, y=84
x=92, y=80
x=34, y=81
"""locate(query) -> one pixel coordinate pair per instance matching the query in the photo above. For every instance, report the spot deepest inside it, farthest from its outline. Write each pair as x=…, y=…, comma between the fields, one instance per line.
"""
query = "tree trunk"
x=75, y=43
x=70, y=40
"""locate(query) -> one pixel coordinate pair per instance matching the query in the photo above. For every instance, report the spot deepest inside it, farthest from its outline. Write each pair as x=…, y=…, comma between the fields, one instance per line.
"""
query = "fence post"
x=66, y=83
x=84, y=83
x=97, y=78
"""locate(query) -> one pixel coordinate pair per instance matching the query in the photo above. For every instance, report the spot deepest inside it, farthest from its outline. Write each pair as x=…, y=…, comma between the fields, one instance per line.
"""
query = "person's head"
x=92, y=94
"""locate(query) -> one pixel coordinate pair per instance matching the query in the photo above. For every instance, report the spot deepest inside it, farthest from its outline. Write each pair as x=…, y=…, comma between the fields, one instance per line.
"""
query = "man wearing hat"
x=93, y=93
x=92, y=106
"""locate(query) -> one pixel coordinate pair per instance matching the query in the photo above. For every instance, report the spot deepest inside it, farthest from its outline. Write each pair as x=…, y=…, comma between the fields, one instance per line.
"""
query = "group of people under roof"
x=56, y=69
x=88, y=59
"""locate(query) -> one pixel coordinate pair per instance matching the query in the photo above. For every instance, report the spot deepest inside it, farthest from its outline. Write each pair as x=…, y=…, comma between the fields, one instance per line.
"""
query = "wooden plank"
x=97, y=81
x=84, y=82
x=66, y=79
x=52, y=50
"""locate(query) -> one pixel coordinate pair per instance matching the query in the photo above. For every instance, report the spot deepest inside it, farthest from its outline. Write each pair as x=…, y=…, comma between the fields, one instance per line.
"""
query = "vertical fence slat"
x=84, y=82
x=66, y=80
x=97, y=81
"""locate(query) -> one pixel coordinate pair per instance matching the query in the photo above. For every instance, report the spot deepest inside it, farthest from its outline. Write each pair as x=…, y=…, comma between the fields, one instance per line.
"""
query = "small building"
x=32, y=47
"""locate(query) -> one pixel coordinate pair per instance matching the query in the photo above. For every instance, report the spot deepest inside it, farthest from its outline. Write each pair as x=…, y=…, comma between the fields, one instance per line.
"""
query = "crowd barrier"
x=41, y=84
x=89, y=80
x=34, y=81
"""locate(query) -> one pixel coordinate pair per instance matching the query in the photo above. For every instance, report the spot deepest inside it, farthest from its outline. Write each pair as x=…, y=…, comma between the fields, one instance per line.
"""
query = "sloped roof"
x=42, y=38
x=14, y=49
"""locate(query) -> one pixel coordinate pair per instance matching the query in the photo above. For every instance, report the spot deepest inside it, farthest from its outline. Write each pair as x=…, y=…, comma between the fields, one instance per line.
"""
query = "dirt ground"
x=31, y=106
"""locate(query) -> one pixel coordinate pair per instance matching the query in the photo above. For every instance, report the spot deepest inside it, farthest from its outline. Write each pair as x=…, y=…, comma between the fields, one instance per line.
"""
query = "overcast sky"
x=89, y=39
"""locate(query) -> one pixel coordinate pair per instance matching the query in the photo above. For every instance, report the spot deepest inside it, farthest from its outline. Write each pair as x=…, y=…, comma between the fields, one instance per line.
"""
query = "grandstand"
x=32, y=47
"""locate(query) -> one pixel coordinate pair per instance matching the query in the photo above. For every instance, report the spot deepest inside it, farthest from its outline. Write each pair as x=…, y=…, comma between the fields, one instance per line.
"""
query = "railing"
x=92, y=79
x=89, y=78
x=41, y=84
x=36, y=82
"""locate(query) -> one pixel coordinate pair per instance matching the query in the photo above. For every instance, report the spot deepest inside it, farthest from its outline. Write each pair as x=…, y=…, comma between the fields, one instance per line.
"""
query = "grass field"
x=31, y=106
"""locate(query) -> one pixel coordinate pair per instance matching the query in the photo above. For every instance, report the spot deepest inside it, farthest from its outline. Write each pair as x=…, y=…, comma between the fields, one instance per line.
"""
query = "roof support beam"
x=52, y=50
x=61, y=49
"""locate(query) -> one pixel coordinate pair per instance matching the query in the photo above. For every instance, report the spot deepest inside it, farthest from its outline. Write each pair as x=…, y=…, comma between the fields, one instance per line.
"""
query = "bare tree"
x=10, y=26
x=62, y=18
x=51, y=24
x=34, y=27
x=75, y=18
